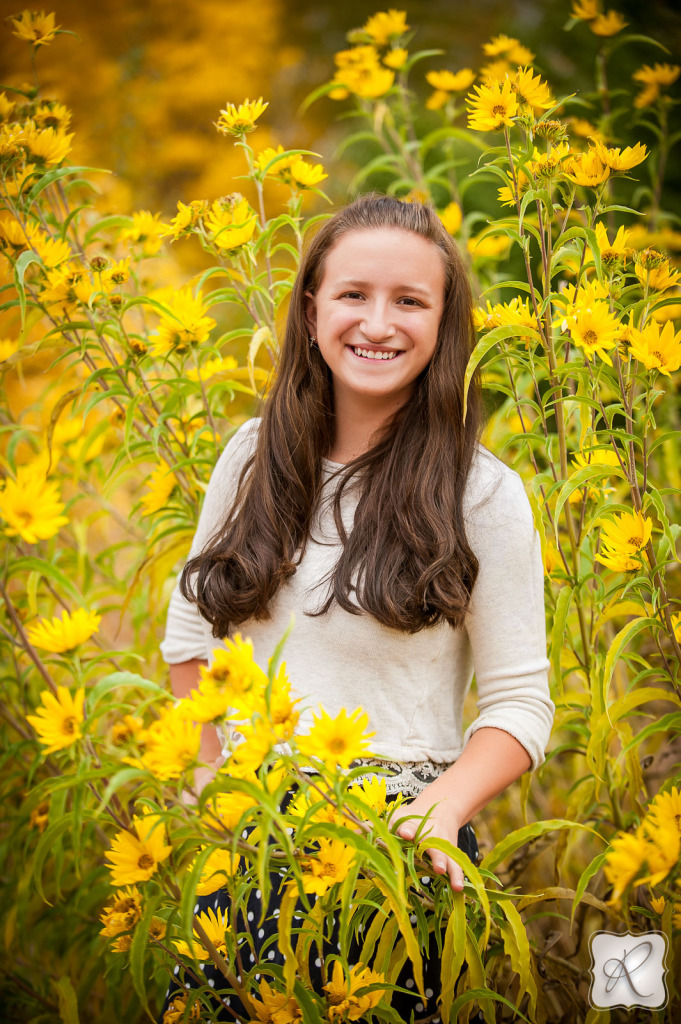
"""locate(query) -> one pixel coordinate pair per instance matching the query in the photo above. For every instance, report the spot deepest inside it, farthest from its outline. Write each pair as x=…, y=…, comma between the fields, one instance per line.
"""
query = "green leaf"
x=486, y=343
x=56, y=175
x=522, y=836
x=20, y=268
x=517, y=948
x=123, y=680
x=587, y=874
x=453, y=952
x=47, y=570
x=68, y=1002
x=561, y=613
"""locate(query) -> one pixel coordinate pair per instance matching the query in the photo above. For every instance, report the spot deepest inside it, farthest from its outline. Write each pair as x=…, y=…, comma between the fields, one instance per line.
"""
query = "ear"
x=310, y=312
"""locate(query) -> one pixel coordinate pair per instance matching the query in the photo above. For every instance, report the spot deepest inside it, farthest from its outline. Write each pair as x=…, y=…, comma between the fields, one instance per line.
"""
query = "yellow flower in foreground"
x=44, y=145
x=396, y=58
x=343, y=998
x=330, y=864
x=161, y=485
x=372, y=791
x=653, y=78
x=667, y=806
x=624, y=860
x=658, y=349
x=595, y=330
x=230, y=221
x=213, y=368
x=305, y=175
x=515, y=313
x=215, y=926
x=30, y=506
x=135, y=856
x=492, y=106
x=59, y=720
x=622, y=538
x=587, y=169
x=235, y=668
x=275, y=1007
x=183, y=324
x=662, y=851
x=235, y=120
x=655, y=274
x=171, y=745
x=65, y=634
x=451, y=217
x=385, y=25
x=621, y=159
x=146, y=230
x=451, y=81
x=608, y=24
x=123, y=913
x=217, y=870
x=51, y=114
x=339, y=740
x=34, y=27
x=177, y=1010
x=530, y=90
x=187, y=217
x=616, y=252
x=210, y=703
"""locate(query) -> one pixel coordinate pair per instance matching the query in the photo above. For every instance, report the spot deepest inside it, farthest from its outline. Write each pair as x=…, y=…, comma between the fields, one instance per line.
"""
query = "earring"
x=312, y=340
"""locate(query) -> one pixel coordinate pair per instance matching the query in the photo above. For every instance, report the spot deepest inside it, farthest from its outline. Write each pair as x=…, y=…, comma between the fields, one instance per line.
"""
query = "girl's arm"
x=491, y=760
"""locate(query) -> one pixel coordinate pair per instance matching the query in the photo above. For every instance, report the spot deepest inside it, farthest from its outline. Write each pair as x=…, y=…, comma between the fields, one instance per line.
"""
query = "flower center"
x=658, y=356
x=634, y=541
x=499, y=110
x=145, y=862
x=590, y=337
x=337, y=745
x=69, y=725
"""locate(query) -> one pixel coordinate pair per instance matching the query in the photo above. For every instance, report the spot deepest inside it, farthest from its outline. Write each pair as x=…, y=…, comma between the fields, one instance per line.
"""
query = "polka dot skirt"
x=263, y=948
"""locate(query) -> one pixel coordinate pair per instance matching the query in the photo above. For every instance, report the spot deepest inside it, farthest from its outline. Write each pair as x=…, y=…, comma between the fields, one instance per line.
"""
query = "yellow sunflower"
x=344, y=1001
x=136, y=855
x=330, y=865
x=239, y=120
x=339, y=740
x=65, y=634
x=657, y=348
x=622, y=538
x=59, y=720
x=215, y=926
x=492, y=106
x=30, y=506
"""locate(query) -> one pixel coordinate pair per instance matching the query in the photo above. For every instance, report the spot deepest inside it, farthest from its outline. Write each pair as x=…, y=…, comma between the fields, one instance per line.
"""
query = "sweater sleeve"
x=188, y=634
x=506, y=622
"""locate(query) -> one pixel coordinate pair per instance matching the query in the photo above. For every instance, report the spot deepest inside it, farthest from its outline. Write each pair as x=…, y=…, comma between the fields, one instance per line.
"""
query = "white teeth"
x=367, y=353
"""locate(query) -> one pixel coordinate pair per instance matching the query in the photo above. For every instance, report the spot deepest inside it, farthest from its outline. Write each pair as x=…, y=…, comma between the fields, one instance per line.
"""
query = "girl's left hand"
x=440, y=824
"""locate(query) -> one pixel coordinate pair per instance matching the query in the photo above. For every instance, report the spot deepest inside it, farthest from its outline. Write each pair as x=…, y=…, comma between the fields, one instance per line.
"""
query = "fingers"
x=443, y=865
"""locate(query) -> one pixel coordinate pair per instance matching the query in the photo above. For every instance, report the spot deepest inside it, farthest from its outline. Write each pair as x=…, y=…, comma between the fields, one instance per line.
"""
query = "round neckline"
x=330, y=464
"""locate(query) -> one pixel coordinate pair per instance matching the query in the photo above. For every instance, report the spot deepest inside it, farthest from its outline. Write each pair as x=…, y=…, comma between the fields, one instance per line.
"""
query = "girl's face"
x=377, y=311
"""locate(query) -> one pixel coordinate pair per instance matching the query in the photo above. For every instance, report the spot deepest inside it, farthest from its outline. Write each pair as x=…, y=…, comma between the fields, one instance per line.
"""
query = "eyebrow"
x=398, y=288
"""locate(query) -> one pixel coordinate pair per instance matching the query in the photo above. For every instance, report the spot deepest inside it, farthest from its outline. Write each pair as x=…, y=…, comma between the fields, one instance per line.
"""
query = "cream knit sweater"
x=412, y=686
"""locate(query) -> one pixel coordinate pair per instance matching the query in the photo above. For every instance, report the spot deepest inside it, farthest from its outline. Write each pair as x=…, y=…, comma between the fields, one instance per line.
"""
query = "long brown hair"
x=406, y=560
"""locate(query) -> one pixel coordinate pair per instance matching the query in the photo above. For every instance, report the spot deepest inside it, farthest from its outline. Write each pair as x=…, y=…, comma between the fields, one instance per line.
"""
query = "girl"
x=363, y=503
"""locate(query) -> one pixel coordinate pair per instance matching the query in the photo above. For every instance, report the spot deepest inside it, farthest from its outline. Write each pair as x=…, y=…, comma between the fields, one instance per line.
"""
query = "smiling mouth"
x=368, y=353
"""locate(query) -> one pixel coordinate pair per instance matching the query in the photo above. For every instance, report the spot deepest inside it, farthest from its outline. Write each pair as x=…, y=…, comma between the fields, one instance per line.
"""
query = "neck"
x=357, y=420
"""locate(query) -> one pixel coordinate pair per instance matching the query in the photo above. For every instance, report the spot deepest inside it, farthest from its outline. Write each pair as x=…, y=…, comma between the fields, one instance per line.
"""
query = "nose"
x=377, y=325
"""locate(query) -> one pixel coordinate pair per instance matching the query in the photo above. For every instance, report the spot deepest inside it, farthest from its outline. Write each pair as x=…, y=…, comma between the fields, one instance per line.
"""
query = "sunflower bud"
x=98, y=262
x=556, y=131
x=650, y=258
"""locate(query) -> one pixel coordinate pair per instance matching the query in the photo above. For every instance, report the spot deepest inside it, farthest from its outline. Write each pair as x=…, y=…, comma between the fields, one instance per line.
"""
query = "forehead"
x=385, y=255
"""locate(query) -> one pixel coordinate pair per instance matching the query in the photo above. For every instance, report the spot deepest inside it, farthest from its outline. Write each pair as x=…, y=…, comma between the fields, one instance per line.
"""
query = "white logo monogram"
x=628, y=970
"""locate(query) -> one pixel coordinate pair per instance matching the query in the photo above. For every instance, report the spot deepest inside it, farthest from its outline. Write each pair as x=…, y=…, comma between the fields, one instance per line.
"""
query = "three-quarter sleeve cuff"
x=533, y=733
